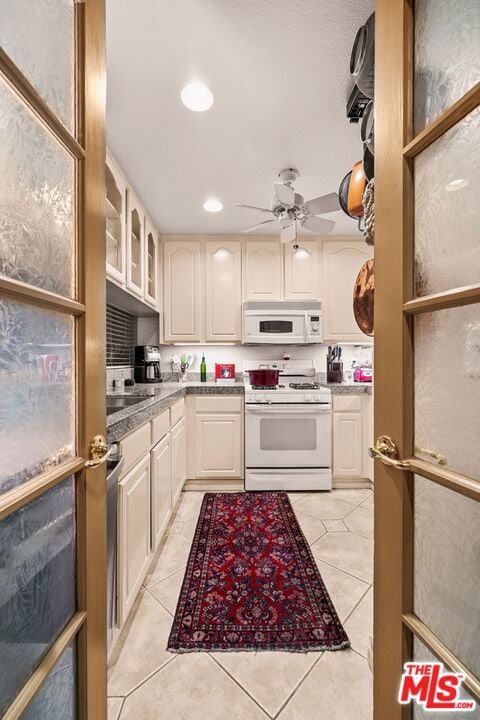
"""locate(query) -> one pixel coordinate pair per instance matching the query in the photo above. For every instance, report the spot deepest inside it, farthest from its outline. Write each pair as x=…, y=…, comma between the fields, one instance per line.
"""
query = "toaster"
x=363, y=374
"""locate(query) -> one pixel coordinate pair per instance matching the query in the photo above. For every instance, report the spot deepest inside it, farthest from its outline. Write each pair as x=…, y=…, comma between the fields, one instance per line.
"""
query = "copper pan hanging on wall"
x=363, y=298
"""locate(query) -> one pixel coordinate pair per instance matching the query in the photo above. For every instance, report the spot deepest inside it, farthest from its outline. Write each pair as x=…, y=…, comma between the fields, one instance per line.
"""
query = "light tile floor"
x=148, y=683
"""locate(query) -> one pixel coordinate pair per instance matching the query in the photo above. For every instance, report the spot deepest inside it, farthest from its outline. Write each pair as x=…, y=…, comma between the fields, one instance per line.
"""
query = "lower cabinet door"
x=133, y=534
x=179, y=458
x=161, y=482
x=347, y=445
x=218, y=446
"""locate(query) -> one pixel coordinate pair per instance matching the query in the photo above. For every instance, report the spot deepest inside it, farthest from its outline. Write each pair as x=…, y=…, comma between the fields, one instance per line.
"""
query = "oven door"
x=275, y=327
x=288, y=436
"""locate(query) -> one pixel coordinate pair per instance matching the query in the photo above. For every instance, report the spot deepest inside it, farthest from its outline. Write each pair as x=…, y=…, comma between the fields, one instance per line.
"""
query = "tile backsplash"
x=239, y=353
x=118, y=373
x=121, y=337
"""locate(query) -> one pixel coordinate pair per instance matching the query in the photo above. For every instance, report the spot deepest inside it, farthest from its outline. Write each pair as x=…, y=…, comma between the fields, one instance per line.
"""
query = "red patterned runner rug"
x=251, y=582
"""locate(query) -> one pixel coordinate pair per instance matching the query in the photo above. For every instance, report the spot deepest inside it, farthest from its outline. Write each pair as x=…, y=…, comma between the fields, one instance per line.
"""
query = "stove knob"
x=308, y=398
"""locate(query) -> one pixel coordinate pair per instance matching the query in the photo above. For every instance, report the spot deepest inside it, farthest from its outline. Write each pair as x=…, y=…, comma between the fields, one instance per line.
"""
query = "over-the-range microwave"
x=282, y=323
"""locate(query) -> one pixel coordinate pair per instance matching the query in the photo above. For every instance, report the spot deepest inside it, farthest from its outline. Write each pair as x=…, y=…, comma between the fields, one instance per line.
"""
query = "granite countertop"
x=158, y=397
x=349, y=388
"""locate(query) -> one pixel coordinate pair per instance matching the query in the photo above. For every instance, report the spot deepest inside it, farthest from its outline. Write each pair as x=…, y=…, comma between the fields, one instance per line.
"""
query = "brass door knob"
x=99, y=452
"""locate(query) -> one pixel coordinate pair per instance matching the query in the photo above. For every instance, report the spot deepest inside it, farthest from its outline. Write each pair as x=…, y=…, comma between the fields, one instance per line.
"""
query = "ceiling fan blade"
x=285, y=194
x=289, y=233
x=318, y=225
x=253, y=207
x=265, y=222
x=324, y=204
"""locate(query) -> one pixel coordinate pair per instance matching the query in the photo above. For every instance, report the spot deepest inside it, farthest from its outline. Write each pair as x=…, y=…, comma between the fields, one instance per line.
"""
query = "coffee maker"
x=147, y=364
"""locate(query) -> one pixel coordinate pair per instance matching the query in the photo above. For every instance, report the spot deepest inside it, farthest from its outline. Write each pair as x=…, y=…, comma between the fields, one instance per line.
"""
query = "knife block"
x=335, y=372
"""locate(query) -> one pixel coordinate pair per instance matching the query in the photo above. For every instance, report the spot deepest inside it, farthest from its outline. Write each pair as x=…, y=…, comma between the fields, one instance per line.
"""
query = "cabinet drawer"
x=177, y=411
x=160, y=426
x=134, y=446
x=218, y=404
x=347, y=403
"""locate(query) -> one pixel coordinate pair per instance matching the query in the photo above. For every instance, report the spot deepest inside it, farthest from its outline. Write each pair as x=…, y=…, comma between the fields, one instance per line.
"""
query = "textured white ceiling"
x=279, y=71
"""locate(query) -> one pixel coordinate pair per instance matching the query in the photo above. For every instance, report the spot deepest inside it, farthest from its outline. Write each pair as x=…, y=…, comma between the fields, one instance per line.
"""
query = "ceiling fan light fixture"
x=196, y=96
x=213, y=205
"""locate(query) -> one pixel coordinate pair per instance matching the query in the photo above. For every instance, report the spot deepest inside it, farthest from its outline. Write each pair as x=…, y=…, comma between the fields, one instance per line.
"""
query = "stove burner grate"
x=264, y=387
x=305, y=386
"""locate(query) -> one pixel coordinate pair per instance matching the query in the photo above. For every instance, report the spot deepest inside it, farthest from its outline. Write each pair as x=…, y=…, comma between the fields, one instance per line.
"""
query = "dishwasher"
x=114, y=468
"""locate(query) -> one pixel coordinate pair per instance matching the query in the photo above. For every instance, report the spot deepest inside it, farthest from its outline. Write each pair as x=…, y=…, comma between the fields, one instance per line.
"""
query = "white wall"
x=238, y=353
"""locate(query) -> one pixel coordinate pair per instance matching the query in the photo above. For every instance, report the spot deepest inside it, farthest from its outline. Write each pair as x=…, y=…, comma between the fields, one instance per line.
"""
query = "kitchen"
x=229, y=484
x=259, y=379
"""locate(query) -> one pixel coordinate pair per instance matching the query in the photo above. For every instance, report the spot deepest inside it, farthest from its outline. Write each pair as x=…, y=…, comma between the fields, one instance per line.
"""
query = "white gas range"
x=288, y=430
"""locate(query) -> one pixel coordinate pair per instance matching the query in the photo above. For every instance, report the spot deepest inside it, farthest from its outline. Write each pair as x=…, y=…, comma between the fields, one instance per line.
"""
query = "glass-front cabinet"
x=151, y=264
x=135, y=244
x=115, y=216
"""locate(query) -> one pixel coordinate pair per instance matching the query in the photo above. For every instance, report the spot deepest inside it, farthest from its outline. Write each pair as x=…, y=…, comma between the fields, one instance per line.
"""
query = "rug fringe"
x=253, y=648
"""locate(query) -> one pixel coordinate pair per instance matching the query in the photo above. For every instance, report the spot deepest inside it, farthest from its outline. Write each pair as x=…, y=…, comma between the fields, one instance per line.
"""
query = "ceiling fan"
x=291, y=211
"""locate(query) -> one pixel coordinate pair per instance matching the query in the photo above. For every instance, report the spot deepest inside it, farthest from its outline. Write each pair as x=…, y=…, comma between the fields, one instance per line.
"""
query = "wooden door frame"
x=91, y=577
x=395, y=147
x=86, y=144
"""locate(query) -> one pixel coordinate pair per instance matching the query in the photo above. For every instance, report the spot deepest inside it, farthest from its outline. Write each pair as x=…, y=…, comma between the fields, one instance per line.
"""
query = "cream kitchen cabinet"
x=179, y=458
x=161, y=484
x=223, y=290
x=132, y=243
x=184, y=290
x=352, y=429
x=135, y=244
x=302, y=270
x=152, y=265
x=342, y=259
x=216, y=437
x=115, y=216
x=133, y=534
x=263, y=269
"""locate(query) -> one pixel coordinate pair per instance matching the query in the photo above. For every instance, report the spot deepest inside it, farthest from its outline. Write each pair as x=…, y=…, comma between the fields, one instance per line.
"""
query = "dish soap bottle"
x=203, y=369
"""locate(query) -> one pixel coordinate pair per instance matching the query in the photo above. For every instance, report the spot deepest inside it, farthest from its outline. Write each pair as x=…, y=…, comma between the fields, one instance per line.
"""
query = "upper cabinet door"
x=223, y=288
x=183, y=291
x=302, y=271
x=341, y=262
x=116, y=216
x=263, y=269
x=152, y=265
x=135, y=244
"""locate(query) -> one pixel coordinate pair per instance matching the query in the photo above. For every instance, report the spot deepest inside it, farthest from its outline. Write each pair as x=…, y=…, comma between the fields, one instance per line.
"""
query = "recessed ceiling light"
x=196, y=96
x=457, y=184
x=212, y=205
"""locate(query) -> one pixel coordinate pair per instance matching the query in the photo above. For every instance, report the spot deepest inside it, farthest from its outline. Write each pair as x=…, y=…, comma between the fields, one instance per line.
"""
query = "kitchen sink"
x=118, y=403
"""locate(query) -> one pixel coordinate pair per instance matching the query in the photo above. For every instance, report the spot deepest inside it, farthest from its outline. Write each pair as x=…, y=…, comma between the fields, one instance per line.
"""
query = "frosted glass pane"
x=447, y=568
x=39, y=37
x=36, y=201
x=36, y=391
x=447, y=386
x=37, y=583
x=447, y=213
x=56, y=699
x=421, y=653
x=447, y=41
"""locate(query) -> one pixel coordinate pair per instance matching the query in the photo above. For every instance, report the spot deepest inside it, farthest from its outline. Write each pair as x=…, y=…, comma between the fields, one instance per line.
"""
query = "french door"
x=52, y=360
x=427, y=346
